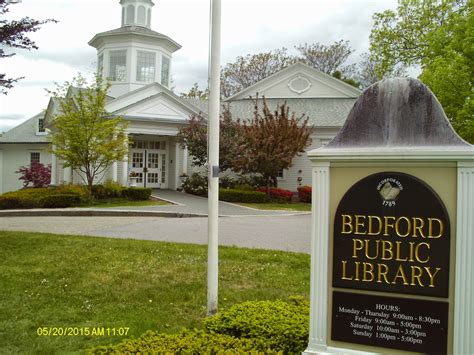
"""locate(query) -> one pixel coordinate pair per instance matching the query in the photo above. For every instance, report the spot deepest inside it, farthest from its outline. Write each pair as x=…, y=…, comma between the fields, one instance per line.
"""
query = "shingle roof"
x=321, y=112
x=25, y=132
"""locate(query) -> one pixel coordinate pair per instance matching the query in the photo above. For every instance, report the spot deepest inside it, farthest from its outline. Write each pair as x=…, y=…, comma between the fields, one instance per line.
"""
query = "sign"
x=398, y=323
x=392, y=234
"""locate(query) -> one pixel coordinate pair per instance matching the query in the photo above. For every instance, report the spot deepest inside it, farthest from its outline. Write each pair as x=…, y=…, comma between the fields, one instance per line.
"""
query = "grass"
x=52, y=280
x=294, y=206
x=123, y=202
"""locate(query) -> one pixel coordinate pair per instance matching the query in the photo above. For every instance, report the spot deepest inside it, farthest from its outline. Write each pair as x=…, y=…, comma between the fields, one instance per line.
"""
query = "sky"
x=248, y=27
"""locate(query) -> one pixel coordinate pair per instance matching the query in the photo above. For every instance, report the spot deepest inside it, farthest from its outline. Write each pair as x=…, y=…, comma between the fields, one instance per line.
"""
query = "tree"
x=196, y=93
x=437, y=36
x=84, y=135
x=367, y=71
x=13, y=34
x=248, y=70
x=270, y=141
x=194, y=137
x=38, y=175
x=327, y=59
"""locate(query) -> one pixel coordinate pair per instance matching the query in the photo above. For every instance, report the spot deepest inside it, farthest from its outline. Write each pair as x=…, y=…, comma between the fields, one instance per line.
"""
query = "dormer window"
x=118, y=65
x=165, y=71
x=40, y=128
x=146, y=66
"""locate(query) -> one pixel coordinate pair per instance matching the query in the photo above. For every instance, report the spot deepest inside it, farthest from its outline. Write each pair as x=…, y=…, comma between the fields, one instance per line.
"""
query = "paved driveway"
x=288, y=233
x=186, y=203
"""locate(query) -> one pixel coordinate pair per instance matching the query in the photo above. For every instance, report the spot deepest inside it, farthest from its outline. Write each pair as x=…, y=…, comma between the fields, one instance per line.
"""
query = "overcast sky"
x=248, y=27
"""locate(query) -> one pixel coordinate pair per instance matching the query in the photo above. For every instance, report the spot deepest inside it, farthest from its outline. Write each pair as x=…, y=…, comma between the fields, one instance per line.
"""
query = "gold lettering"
x=368, y=271
x=432, y=276
x=400, y=274
x=370, y=225
x=397, y=230
x=381, y=273
x=399, y=252
x=355, y=247
x=359, y=224
x=417, y=254
x=344, y=277
x=356, y=278
x=430, y=224
x=346, y=221
x=412, y=251
x=416, y=275
x=418, y=228
x=367, y=242
x=386, y=249
x=386, y=218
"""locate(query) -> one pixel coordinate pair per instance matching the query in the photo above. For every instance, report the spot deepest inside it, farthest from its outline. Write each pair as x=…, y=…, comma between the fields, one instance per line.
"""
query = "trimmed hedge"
x=137, y=193
x=278, y=194
x=230, y=195
x=283, y=326
x=256, y=327
x=187, y=342
x=304, y=193
x=109, y=189
x=17, y=202
x=59, y=201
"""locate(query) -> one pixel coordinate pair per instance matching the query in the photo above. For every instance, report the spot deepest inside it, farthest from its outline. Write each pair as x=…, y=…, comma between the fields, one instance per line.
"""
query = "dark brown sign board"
x=392, y=234
x=388, y=322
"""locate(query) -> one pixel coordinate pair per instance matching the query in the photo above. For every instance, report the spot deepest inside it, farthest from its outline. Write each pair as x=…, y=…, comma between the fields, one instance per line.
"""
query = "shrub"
x=245, y=187
x=283, y=326
x=137, y=193
x=17, y=202
x=227, y=182
x=38, y=175
x=231, y=195
x=277, y=194
x=304, y=193
x=71, y=189
x=254, y=180
x=109, y=189
x=59, y=201
x=195, y=184
x=187, y=342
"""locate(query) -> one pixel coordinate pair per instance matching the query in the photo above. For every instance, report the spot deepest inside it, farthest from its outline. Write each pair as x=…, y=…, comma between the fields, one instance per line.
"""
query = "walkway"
x=190, y=204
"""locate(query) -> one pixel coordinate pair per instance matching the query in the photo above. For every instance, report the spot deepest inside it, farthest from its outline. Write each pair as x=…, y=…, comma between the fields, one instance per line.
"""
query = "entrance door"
x=152, y=169
x=149, y=165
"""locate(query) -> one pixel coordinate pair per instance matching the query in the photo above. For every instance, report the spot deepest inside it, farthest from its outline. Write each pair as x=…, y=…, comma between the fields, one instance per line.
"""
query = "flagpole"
x=213, y=156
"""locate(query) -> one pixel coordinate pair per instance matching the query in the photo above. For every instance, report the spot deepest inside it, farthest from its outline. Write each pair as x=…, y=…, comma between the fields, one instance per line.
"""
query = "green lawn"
x=294, y=206
x=70, y=281
x=123, y=202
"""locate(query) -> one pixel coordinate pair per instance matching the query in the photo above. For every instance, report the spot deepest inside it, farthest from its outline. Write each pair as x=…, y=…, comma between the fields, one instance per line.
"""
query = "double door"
x=149, y=165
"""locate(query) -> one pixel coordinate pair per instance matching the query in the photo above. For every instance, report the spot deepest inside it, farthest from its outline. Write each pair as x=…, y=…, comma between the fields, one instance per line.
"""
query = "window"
x=41, y=128
x=118, y=65
x=130, y=14
x=146, y=66
x=34, y=158
x=281, y=174
x=163, y=168
x=100, y=63
x=141, y=15
x=165, y=71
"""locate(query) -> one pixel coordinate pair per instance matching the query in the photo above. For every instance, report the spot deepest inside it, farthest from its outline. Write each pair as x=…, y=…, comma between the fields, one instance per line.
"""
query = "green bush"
x=187, y=342
x=230, y=195
x=137, y=193
x=71, y=189
x=195, y=184
x=227, y=182
x=283, y=326
x=245, y=187
x=12, y=202
x=109, y=189
x=59, y=201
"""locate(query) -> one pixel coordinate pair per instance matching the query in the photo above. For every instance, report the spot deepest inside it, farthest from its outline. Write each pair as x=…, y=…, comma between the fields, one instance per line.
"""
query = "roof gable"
x=25, y=132
x=299, y=81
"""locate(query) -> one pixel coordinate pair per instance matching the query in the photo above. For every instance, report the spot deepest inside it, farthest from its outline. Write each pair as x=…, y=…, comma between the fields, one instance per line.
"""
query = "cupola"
x=136, y=12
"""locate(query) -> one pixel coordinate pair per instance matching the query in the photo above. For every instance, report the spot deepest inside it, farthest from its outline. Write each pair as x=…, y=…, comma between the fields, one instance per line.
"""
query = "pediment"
x=299, y=81
x=158, y=107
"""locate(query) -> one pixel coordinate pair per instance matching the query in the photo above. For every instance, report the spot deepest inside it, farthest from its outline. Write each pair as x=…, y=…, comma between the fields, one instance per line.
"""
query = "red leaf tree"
x=38, y=175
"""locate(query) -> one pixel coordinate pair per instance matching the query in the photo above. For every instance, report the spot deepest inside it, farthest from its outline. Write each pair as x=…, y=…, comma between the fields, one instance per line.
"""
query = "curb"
x=95, y=213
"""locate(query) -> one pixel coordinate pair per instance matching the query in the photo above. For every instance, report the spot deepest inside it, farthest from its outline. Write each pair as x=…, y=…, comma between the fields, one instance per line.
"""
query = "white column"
x=464, y=288
x=125, y=166
x=67, y=173
x=114, y=171
x=176, y=165
x=319, y=259
x=185, y=160
x=54, y=169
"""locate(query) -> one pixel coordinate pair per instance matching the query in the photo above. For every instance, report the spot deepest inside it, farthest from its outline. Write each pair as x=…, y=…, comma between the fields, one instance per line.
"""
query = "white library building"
x=138, y=62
